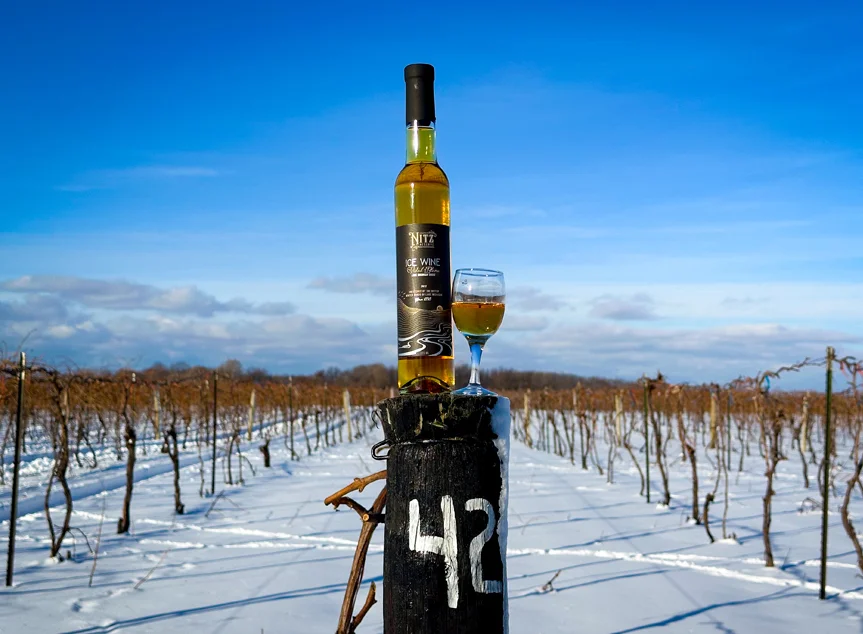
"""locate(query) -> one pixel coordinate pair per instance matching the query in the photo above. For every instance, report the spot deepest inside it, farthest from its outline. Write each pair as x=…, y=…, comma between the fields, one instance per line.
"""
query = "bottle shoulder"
x=422, y=173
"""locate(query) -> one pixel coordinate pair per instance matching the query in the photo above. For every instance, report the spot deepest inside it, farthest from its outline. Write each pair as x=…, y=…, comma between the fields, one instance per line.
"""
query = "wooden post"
x=446, y=514
x=713, y=419
x=346, y=398
x=825, y=501
x=251, y=415
x=19, y=433
x=157, y=415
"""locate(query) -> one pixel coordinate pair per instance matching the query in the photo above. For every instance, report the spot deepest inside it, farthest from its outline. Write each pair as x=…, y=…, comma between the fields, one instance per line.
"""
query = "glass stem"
x=475, y=358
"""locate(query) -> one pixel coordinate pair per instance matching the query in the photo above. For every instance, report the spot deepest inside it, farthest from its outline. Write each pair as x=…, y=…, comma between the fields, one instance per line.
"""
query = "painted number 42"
x=447, y=546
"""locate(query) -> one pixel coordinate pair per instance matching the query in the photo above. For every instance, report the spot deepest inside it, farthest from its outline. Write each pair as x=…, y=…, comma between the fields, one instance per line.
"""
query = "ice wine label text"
x=422, y=265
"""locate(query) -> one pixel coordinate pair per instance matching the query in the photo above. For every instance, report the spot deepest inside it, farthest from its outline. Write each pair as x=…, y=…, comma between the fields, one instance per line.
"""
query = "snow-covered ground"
x=270, y=557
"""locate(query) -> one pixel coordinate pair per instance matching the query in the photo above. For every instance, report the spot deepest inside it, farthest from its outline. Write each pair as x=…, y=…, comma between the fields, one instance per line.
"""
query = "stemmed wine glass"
x=478, y=304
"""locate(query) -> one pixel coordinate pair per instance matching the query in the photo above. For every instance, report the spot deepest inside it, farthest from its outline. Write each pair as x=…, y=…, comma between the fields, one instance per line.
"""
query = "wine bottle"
x=425, y=352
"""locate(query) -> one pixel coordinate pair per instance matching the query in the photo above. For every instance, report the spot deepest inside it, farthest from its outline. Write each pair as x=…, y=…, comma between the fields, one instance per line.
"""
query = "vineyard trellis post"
x=291, y=414
x=251, y=421
x=16, y=467
x=215, y=421
x=728, y=429
x=831, y=353
x=647, y=437
x=157, y=415
x=347, y=406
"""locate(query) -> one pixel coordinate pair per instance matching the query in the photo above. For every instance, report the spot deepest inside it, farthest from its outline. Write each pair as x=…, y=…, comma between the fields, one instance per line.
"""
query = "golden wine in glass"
x=478, y=305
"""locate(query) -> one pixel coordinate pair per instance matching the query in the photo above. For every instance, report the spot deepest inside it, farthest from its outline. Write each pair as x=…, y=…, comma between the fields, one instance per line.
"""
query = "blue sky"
x=666, y=186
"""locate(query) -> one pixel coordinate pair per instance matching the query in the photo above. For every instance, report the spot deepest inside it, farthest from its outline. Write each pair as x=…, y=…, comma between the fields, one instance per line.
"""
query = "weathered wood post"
x=157, y=415
x=446, y=514
x=251, y=421
x=346, y=403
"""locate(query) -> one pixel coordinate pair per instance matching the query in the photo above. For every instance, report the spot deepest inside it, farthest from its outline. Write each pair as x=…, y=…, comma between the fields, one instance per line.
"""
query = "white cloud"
x=276, y=342
x=60, y=332
x=523, y=323
x=124, y=295
x=637, y=307
x=529, y=298
x=144, y=323
x=33, y=308
x=683, y=354
x=358, y=283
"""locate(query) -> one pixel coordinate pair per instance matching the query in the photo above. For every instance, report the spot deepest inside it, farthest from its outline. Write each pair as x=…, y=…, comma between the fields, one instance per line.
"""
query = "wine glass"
x=478, y=303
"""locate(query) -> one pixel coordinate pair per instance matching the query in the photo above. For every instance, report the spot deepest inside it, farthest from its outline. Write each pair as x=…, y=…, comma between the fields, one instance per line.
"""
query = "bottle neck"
x=421, y=144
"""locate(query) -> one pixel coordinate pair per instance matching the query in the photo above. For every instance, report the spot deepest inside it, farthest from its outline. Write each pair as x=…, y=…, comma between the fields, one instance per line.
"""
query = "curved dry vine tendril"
x=851, y=368
x=348, y=622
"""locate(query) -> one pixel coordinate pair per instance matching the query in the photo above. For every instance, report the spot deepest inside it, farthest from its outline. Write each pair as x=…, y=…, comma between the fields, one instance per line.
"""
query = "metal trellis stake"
x=19, y=433
x=215, y=420
x=828, y=448
x=291, y=414
x=728, y=431
x=646, y=439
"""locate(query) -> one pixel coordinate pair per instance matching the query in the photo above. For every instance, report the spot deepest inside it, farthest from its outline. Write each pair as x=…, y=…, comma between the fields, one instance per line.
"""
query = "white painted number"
x=476, y=546
x=447, y=546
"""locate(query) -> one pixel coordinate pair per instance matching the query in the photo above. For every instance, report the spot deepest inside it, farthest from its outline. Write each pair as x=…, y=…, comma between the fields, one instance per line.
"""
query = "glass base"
x=473, y=390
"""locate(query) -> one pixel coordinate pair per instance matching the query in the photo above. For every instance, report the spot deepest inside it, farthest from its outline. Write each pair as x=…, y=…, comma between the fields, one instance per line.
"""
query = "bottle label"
x=423, y=283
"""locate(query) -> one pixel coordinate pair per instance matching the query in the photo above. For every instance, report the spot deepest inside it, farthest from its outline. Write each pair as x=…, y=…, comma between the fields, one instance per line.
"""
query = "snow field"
x=271, y=557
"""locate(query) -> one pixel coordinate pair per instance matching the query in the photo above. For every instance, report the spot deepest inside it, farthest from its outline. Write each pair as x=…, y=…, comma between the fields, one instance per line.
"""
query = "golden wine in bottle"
x=423, y=279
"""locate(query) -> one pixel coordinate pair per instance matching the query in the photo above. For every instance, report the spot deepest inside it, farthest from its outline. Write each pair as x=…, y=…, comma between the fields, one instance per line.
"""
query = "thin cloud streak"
x=110, y=178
